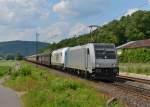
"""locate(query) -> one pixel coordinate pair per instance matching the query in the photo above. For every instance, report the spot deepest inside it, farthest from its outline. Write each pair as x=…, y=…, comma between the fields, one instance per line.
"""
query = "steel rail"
x=141, y=92
x=145, y=81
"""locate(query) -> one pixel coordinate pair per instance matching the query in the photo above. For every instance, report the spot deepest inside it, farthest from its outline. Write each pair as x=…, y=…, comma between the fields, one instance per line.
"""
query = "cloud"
x=6, y=16
x=79, y=29
x=79, y=8
x=58, y=19
x=148, y=1
x=16, y=11
x=131, y=11
x=20, y=19
x=64, y=8
x=55, y=31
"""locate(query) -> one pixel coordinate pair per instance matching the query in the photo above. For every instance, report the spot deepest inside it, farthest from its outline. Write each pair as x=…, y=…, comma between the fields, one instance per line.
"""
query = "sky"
x=55, y=20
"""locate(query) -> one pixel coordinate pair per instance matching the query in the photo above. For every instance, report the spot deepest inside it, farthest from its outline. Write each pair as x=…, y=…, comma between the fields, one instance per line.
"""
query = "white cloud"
x=44, y=15
x=71, y=8
x=148, y=1
x=78, y=29
x=6, y=16
x=21, y=10
x=64, y=8
x=19, y=19
x=55, y=31
x=131, y=11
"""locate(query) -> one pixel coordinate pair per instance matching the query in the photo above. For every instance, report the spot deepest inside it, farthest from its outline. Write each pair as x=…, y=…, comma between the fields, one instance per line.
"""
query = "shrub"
x=3, y=70
x=59, y=85
x=140, y=68
x=25, y=71
x=72, y=85
x=141, y=55
x=15, y=74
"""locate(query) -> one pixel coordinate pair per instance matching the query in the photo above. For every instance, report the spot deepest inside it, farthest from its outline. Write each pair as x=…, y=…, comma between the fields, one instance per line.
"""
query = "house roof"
x=135, y=44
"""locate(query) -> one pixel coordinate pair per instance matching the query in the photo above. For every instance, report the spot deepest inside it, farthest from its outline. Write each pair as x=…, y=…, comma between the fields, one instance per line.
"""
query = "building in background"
x=134, y=45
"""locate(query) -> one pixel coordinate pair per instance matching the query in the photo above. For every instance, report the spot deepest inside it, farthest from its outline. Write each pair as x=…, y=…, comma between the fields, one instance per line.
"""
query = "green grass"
x=7, y=63
x=3, y=70
x=46, y=89
x=5, y=66
x=139, y=68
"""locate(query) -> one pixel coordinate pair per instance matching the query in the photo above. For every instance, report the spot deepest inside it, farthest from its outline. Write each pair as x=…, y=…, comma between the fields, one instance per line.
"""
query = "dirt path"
x=8, y=97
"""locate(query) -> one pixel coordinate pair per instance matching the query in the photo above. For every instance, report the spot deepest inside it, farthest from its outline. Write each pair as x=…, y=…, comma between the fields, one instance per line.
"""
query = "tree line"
x=127, y=28
x=10, y=56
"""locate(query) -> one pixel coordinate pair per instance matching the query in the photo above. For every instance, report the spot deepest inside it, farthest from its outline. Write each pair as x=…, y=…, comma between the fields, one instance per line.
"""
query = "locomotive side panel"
x=58, y=57
x=76, y=58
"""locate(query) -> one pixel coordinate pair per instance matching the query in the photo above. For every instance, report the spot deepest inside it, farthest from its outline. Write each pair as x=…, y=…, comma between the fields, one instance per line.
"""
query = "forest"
x=127, y=28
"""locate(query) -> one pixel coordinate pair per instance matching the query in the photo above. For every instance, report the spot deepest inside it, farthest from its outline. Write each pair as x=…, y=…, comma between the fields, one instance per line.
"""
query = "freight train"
x=93, y=60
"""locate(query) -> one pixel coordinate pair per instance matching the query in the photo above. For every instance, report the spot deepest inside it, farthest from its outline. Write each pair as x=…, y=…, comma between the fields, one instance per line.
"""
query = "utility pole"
x=91, y=28
x=37, y=37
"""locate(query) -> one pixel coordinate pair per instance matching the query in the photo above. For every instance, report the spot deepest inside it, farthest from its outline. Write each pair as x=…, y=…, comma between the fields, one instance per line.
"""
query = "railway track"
x=134, y=79
x=140, y=90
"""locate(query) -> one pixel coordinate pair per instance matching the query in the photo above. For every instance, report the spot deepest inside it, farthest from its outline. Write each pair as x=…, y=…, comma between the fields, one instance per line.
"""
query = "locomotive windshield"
x=105, y=52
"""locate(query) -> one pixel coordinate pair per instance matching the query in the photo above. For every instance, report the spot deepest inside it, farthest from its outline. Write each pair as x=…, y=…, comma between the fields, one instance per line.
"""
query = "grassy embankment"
x=5, y=66
x=139, y=68
x=44, y=89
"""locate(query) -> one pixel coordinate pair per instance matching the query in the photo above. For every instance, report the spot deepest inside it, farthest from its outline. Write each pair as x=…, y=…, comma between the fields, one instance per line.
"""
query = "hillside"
x=23, y=47
x=127, y=28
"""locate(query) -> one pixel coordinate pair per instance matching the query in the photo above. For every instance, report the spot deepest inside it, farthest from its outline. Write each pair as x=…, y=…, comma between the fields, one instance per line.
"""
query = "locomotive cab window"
x=105, y=52
x=88, y=51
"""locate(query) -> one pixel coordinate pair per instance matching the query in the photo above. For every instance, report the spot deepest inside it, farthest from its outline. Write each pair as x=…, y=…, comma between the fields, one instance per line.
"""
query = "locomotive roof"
x=60, y=50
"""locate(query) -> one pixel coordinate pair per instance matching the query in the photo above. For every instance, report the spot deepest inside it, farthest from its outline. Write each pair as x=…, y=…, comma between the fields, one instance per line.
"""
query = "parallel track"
x=134, y=79
x=139, y=91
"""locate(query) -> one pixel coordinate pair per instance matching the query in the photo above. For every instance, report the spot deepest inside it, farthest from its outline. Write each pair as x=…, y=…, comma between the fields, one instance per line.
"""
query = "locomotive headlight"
x=115, y=65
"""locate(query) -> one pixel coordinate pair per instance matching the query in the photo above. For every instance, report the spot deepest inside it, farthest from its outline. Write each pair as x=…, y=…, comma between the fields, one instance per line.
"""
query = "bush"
x=25, y=71
x=15, y=74
x=3, y=70
x=139, y=68
x=141, y=55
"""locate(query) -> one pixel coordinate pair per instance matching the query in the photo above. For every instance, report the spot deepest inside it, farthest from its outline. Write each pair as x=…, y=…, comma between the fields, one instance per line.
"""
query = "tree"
x=128, y=28
x=18, y=56
x=10, y=57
